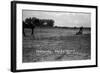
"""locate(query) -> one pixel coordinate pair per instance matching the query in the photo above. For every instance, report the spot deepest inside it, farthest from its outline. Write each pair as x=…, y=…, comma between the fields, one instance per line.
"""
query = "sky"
x=61, y=19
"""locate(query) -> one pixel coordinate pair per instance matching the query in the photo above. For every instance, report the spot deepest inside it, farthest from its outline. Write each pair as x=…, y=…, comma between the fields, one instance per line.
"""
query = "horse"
x=80, y=32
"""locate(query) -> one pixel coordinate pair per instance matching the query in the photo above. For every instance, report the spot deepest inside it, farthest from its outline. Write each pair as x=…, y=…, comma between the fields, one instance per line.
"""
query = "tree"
x=50, y=23
x=28, y=24
x=47, y=23
x=33, y=22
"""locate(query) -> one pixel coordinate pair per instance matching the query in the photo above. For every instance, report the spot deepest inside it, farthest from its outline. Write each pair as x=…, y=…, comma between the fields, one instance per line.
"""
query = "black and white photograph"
x=56, y=36
x=47, y=36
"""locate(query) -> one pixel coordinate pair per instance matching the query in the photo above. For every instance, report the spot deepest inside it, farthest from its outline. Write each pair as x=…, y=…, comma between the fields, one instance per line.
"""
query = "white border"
x=21, y=65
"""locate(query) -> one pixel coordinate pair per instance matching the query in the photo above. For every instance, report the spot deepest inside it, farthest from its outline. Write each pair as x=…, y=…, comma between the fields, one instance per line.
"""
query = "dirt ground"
x=56, y=44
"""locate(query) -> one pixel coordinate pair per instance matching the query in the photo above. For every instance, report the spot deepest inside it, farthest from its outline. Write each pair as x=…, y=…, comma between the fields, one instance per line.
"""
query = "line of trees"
x=36, y=22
